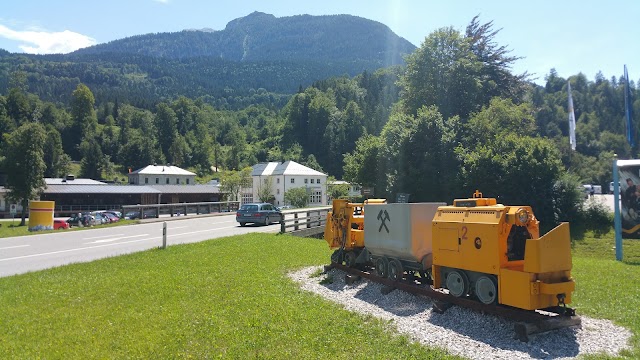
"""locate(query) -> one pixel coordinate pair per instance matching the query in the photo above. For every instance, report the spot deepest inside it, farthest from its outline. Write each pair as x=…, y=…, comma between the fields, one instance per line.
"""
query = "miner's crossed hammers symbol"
x=382, y=219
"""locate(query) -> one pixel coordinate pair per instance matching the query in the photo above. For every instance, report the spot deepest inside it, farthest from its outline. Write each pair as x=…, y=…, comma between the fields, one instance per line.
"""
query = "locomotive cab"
x=495, y=253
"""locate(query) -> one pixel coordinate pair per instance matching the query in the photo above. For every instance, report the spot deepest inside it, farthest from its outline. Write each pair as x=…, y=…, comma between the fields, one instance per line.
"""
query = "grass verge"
x=227, y=298
x=9, y=228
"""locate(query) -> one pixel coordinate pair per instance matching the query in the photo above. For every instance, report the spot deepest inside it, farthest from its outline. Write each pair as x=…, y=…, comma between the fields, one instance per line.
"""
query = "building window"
x=312, y=181
x=315, y=197
x=265, y=180
x=278, y=191
x=187, y=181
x=278, y=181
x=146, y=180
x=157, y=180
x=167, y=180
x=247, y=198
x=318, y=181
x=306, y=180
x=178, y=181
x=293, y=180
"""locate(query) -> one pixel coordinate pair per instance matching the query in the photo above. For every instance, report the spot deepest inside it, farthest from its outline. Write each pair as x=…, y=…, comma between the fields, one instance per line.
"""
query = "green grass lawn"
x=230, y=298
x=226, y=298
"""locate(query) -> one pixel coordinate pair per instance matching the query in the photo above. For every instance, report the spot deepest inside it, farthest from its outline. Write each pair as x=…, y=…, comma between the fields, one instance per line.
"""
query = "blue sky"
x=571, y=36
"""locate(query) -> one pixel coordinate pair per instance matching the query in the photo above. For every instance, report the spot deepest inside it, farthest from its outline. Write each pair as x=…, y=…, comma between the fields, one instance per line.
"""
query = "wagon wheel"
x=350, y=259
x=395, y=270
x=457, y=283
x=382, y=267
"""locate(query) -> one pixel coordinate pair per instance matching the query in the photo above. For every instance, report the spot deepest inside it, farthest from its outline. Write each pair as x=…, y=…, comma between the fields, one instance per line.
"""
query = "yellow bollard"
x=41, y=215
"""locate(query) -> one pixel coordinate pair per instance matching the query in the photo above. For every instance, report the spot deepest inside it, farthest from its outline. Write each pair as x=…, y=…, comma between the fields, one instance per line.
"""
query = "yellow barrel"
x=41, y=215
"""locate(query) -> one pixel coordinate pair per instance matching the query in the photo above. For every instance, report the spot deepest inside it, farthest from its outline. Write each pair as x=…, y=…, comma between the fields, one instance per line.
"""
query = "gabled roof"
x=285, y=168
x=65, y=181
x=162, y=170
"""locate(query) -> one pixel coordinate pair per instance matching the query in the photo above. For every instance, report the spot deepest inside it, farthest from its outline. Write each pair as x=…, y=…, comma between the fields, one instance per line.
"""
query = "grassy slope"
x=230, y=298
x=222, y=298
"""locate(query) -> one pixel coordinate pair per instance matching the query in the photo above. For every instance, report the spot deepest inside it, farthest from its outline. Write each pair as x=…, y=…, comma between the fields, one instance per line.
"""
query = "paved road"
x=36, y=252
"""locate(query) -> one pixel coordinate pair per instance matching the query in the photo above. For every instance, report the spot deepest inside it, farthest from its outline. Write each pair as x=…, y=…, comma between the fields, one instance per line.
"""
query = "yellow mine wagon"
x=495, y=252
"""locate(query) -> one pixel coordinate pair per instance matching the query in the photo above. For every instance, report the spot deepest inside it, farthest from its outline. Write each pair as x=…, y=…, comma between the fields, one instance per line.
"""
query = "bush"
x=596, y=217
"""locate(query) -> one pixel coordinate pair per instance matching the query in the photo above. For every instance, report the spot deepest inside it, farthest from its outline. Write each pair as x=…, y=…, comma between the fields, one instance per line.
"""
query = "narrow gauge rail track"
x=527, y=322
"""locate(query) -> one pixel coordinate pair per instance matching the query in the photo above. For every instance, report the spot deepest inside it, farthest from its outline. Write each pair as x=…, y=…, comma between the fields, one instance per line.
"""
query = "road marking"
x=115, y=239
x=104, y=236
x=178, y=227
x=201, y=231
x=13, y=247
x=76, y=249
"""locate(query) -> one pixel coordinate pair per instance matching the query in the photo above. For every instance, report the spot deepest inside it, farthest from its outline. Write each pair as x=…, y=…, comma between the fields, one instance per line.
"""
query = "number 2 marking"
x=464, y=233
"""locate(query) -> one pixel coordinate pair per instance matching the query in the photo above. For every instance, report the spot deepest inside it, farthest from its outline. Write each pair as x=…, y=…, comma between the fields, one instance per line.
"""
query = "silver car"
x=259, y=213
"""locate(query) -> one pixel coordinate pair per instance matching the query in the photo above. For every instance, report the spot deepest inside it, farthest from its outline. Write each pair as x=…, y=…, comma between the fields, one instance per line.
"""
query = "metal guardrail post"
x=164, y=235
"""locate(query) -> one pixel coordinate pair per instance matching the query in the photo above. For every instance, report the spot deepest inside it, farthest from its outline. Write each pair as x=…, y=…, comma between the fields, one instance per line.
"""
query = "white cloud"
x=43, y=42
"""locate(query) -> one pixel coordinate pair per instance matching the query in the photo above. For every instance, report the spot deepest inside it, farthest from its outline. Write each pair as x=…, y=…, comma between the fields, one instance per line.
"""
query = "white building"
x=162, y=175
x=355, y=190
x=283, y=177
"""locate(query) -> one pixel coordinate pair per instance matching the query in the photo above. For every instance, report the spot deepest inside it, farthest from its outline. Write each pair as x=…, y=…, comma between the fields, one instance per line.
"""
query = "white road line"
x=104, y=236
x=14, y=247
x=178, y=227
x=201, y=231
x=115, y=239
x=76, y=249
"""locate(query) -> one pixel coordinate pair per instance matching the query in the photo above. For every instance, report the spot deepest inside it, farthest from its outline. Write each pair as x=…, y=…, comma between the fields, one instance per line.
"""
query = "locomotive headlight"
x=523, y=216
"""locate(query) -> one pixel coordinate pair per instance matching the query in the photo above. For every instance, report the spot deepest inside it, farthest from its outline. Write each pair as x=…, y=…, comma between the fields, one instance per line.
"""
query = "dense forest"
x=256, y=60
x=452, y=119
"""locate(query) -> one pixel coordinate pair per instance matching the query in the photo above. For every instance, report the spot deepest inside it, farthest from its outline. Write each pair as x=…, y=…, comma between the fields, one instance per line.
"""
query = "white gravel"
x=461, y=331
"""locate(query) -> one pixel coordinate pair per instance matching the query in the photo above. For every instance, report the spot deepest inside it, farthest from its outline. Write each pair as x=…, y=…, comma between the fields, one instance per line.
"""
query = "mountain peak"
x=254, y=19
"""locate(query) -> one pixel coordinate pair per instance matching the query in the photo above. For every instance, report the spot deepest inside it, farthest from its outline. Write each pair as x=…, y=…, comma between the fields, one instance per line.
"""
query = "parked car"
x=117, y=214
x=262, y=213
x=60, y=224
x=81, y=220
x=131, y=215
x=112, y=218
x=100, y=218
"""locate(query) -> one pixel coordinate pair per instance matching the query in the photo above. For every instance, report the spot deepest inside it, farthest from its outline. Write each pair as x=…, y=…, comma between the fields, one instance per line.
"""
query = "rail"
x=177, y=209
x=306, y=221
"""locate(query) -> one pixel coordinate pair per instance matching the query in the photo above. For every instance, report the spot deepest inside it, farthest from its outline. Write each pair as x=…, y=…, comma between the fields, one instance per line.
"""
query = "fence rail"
x=177, y=209
x=305, y=222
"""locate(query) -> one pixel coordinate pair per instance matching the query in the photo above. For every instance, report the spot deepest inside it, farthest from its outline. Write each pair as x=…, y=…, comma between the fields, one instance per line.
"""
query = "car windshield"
x=249, y=207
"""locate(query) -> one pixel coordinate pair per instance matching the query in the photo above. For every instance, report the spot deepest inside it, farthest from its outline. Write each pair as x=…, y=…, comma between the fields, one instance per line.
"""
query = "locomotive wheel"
x=457, y=283
x=350, y=259
x=395, y=270
x=382, y=267
x=486, y=290
x=336, y=257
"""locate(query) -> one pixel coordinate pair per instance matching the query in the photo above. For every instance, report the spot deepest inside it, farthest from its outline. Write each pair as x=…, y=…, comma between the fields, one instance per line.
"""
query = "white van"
x=597, y=189
x=611, y=189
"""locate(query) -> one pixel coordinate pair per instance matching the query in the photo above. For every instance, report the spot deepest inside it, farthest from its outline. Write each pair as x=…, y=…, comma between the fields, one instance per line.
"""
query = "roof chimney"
x=71, y=177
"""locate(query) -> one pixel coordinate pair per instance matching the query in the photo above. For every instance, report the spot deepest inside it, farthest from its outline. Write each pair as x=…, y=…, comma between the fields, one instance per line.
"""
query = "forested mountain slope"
x=257, y=59
x=263, y=37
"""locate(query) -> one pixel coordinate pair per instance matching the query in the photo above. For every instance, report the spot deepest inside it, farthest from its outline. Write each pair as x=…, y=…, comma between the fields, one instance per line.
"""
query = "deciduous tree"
x=24, y=163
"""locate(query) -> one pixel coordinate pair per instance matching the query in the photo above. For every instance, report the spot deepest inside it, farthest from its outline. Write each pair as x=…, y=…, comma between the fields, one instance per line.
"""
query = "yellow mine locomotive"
x=475, y=247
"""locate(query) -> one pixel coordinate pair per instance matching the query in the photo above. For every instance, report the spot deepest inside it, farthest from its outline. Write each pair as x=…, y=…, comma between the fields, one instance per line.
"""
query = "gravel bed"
x=461, y=331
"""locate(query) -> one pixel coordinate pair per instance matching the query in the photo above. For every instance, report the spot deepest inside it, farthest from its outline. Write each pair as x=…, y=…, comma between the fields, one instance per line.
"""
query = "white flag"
x=572, y=120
